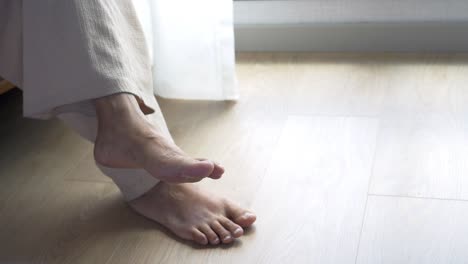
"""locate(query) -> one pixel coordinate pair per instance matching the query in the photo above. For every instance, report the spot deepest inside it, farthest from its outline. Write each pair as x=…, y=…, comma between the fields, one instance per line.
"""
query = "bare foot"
x=194, y=215
x=126, y=139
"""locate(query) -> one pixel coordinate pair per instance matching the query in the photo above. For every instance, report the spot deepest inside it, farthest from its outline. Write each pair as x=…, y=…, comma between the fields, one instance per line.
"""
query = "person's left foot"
x=193, y=214
x=127, y=139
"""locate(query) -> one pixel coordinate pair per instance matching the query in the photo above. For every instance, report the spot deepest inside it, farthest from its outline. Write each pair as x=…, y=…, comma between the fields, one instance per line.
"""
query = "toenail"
x=248, y=215
x=216, y=241
x=238, y=231
x=227, y=237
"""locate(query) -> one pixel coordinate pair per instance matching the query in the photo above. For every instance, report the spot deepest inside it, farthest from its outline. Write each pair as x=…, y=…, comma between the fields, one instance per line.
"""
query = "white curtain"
x=192, y=47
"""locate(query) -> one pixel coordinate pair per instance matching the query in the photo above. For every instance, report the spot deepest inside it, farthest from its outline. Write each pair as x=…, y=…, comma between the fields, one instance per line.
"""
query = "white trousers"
x=63, y=54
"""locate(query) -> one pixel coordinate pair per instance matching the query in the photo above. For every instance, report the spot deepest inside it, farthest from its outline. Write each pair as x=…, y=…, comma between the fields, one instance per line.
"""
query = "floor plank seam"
x=7, y=200
x=270, y=157
x=89, y=181
x=376, y=116
x=371, y=174
x=417, y=197
x=72, y=168
x=114, y=251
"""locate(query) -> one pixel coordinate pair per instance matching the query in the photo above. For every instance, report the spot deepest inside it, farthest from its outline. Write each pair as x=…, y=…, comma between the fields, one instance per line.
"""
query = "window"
x=351, y=25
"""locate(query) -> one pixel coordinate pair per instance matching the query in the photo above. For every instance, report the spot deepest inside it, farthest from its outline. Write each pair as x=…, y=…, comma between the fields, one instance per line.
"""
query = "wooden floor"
x=345, y=159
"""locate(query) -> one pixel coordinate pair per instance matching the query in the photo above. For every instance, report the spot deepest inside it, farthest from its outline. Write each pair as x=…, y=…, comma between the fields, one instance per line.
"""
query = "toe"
x=198, y=169
x=218, y=171
x=199, y=237
x=233, y=228
x=239, y=215
x=210, y=234
x=223, y=233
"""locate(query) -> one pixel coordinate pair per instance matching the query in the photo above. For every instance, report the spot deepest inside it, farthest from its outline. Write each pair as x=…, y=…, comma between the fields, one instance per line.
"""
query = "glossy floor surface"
x=346, y=158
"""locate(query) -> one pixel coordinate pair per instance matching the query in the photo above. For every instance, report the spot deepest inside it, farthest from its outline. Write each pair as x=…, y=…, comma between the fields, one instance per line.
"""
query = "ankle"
x=116, y=105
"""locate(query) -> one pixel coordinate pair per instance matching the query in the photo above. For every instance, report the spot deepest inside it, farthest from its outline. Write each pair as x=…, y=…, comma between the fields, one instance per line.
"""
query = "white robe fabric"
x=63, y=54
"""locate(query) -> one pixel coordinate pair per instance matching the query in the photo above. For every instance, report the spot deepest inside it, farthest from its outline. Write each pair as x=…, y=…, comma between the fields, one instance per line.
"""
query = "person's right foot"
x=126, y=139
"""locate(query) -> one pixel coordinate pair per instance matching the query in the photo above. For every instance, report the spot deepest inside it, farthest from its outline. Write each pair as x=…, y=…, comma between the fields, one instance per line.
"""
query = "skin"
x=193, y=214
x=126, y=139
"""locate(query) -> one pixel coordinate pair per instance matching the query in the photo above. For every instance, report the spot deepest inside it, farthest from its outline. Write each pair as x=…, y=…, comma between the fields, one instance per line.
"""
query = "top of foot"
x=127, y=139
x=193, y=214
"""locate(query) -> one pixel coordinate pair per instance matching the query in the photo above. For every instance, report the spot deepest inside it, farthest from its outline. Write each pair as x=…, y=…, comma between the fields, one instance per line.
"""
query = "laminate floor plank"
x=408, y=230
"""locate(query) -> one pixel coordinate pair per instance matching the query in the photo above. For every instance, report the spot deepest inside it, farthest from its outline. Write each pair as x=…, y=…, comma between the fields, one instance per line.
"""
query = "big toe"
x=239, y=215
x=198, y=169
x=218, y=171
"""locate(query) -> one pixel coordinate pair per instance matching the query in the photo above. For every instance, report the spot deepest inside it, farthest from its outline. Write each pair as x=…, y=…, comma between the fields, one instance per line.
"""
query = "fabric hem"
x=83, y=106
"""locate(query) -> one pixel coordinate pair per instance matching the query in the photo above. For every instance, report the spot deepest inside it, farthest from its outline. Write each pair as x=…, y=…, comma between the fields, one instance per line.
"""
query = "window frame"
x=351, y=25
